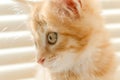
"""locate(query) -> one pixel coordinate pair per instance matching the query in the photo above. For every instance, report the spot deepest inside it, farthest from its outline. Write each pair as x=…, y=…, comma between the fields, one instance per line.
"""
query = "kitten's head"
x=62, y=30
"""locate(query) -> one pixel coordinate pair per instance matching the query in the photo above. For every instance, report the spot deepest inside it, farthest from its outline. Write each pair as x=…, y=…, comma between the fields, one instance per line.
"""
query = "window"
x=16, y=46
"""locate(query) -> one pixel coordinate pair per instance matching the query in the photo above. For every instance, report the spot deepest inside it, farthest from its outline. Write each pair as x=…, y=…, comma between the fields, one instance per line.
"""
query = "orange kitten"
x=71, y=41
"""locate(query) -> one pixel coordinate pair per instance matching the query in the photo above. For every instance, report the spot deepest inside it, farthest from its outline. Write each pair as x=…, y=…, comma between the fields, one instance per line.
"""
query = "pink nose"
x=41, y=60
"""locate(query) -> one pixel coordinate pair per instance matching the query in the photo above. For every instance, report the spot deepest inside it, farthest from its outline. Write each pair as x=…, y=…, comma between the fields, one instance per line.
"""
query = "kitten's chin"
x=56, y=69
x=52, y=68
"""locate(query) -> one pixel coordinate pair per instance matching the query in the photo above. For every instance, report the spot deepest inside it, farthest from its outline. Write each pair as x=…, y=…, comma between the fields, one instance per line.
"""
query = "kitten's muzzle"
x=41, y=60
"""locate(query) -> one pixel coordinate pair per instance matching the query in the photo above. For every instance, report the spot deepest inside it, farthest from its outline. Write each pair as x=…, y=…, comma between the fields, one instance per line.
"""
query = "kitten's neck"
x=78, y=72
x=85, y=68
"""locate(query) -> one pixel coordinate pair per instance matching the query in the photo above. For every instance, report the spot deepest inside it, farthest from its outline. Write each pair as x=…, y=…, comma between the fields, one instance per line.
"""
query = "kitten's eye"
x=52, y=38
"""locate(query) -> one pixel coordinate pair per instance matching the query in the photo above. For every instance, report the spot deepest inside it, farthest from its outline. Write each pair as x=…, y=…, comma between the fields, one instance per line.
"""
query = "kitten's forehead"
x=47, y=12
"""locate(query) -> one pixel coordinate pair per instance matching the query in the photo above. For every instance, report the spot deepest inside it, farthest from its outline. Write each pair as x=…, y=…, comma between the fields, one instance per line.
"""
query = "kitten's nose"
x=41, y=60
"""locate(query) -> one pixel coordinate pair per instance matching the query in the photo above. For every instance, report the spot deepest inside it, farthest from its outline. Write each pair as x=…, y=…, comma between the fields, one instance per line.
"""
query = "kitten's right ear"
x=71, y=8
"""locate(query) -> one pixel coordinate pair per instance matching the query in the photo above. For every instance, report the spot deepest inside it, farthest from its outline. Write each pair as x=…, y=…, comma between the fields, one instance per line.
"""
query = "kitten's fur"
x=83, y=51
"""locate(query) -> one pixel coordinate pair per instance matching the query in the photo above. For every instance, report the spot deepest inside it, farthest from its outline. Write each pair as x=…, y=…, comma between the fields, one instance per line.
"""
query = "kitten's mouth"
x=41, y=60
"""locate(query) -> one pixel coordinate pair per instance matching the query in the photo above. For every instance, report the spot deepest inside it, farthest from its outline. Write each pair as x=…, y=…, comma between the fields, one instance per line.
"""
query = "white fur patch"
x=63, y=62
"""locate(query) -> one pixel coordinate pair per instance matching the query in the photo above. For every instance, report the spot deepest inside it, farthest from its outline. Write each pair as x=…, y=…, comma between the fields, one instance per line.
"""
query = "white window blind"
x=17, y=50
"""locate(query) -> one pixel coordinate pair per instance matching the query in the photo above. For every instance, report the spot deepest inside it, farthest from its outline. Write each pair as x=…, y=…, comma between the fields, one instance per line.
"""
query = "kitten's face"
x=61, y=32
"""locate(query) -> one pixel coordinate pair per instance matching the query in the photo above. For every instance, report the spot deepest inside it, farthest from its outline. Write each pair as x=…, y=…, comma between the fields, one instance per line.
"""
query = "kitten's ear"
x=28, y=3
x=71, y=6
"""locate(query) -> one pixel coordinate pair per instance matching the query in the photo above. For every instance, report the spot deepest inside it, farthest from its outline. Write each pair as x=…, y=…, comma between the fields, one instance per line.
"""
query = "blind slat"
x=13, y=23
x=116, y=43
x=112, y=18
x=15, y=72
x=110, y=4
x=15, y=39
x=114, y=30
x=112, y=15
x=17, y=55
x=7, y=8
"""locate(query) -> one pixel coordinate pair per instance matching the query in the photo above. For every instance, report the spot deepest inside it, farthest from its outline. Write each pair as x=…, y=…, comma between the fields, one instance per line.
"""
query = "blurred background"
x=17, y=50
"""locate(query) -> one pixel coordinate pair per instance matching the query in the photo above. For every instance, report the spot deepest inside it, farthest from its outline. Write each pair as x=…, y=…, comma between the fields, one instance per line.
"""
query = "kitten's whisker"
x=52, y=58
x=34, y=60
x=54, y=63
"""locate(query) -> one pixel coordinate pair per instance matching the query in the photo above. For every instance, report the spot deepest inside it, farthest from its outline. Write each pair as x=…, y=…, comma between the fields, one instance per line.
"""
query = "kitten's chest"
x=66, y=76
